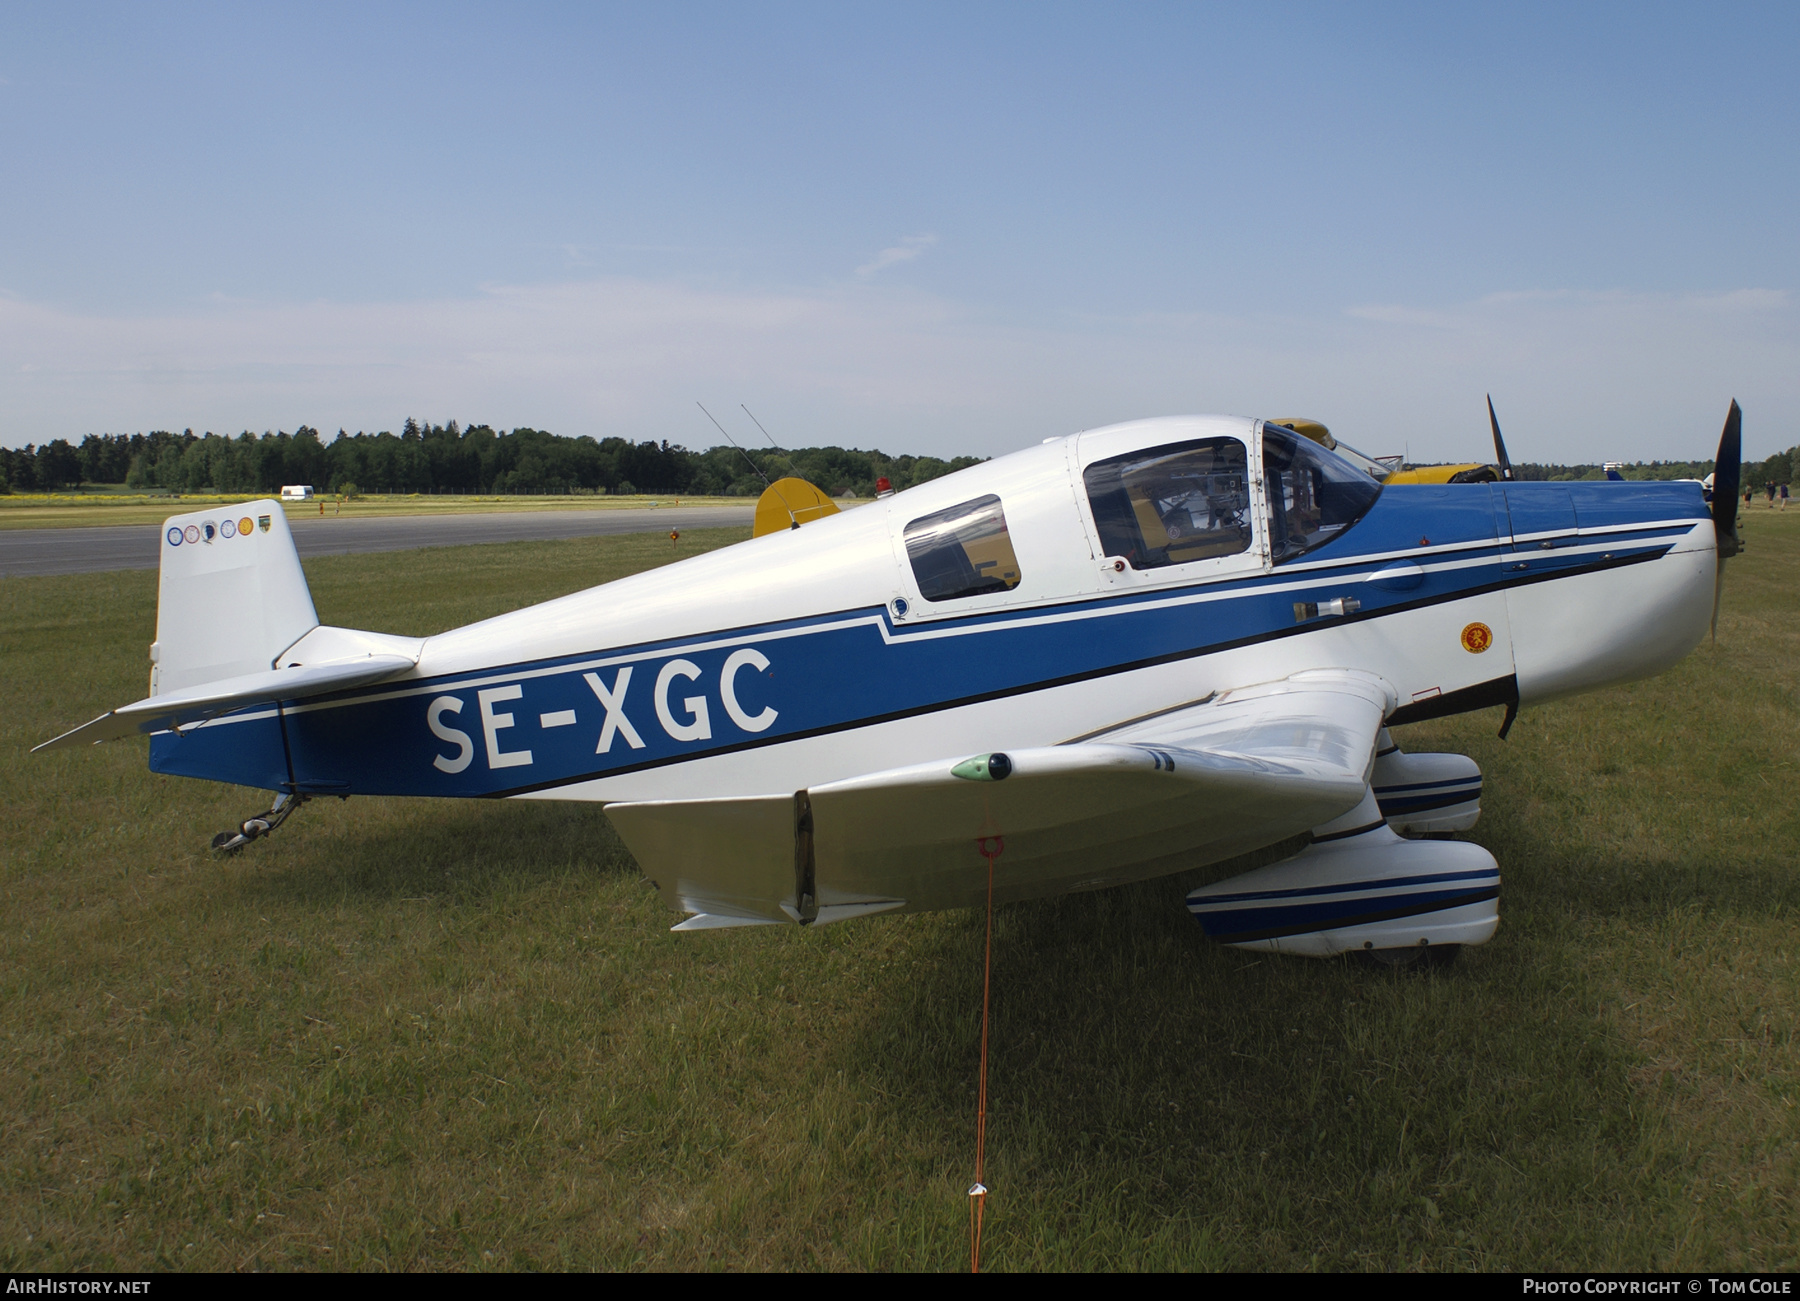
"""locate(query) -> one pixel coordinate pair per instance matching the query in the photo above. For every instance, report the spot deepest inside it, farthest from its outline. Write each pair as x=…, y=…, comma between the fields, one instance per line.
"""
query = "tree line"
x=1780, y=468
x=428, y=458
x=447, y=458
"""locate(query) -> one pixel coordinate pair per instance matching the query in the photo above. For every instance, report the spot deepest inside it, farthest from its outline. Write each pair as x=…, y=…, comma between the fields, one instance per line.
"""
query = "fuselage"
x=838, y=649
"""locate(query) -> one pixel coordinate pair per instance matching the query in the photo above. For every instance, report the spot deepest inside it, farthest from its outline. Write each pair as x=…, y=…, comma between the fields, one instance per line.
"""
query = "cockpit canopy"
x=1188, y=501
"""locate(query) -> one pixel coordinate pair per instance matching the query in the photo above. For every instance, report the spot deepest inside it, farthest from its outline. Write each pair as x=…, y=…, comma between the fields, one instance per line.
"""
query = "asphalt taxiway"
x=26, y=552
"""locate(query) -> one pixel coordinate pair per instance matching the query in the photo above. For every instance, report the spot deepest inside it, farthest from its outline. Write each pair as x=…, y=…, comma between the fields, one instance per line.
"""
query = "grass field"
x=408, y=1035
x=89, y=509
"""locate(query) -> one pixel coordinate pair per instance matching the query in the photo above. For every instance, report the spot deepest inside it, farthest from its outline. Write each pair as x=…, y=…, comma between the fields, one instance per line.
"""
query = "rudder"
x=231, y=595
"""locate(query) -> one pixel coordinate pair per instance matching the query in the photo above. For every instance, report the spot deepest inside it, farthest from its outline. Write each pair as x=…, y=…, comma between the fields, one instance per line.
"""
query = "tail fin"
x=231, y=604
x=232, y=596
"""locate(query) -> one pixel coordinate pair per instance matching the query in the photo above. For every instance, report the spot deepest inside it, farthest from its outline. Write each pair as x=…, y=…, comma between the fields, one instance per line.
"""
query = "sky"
x=945, y=229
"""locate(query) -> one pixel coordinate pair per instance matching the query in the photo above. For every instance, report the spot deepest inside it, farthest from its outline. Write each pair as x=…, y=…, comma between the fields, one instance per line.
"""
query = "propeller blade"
x=1500, y=458
x=1727, y=475
x=1728, y=470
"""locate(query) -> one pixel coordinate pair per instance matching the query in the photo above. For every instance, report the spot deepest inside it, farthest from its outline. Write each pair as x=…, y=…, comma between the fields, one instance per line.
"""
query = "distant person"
x=1770, y=489
x=321, y=506
x=1784, y=496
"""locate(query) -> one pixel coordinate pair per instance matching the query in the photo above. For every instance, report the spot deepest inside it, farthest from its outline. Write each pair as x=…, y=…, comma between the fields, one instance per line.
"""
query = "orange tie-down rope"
x=990, y=847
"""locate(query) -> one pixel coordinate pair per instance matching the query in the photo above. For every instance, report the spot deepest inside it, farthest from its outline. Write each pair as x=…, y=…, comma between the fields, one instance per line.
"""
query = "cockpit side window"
x=963, y=551
x=1173, y=504
x=1314, y=494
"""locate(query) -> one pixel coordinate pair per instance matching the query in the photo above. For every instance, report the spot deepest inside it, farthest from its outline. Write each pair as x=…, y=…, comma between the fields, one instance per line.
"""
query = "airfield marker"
x=990, y=848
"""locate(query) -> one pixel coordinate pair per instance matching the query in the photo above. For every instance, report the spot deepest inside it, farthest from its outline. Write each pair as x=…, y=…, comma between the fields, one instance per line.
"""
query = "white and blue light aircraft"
x=1117, y=655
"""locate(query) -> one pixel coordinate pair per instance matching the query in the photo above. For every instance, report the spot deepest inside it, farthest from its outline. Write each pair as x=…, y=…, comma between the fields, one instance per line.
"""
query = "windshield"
x=1314, y=495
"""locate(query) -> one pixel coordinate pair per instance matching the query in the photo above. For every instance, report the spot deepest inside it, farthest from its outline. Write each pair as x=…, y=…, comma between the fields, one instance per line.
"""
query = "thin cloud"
x=1746, y=300
x=909, y=247
x=1577, y=376
x=1395, y=314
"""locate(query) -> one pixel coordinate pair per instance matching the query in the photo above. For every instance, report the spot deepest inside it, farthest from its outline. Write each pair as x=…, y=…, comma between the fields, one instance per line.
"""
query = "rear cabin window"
x=1173, y=504
x=963, y=551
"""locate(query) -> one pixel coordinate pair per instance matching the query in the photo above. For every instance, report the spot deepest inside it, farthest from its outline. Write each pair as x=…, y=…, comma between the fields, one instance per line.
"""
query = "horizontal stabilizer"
x=175, y=709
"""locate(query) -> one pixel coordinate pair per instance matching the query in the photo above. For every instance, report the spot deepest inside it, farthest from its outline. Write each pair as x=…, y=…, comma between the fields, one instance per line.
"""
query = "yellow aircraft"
x=1466, y=472
x=789, y=503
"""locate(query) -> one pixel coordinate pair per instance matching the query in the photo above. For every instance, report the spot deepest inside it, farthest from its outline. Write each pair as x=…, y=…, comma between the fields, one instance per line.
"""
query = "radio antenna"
x=734, y=443
x=772, y=443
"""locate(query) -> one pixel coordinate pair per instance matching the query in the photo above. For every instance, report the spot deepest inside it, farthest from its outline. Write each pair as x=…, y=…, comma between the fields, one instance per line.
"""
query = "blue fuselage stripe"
x=480, y=735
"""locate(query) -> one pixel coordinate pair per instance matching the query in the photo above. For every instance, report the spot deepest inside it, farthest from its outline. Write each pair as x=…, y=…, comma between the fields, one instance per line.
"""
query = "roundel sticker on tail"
x=1477, y=637
x=174, y=537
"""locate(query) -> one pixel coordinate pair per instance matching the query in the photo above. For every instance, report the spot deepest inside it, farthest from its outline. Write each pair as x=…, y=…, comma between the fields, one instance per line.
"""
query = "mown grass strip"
x=404, y=1034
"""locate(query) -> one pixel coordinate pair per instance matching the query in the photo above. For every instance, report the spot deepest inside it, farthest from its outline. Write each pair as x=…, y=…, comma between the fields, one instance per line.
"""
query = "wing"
x=1196, y=784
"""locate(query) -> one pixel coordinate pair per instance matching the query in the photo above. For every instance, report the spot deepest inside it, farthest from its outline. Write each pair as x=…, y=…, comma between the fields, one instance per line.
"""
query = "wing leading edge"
x=1195, y=785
